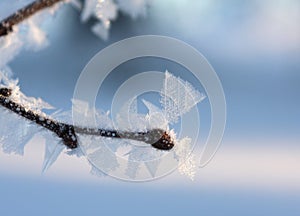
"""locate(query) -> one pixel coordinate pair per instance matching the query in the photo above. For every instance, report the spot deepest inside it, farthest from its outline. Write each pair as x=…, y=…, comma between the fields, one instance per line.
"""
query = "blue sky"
x=254, y=46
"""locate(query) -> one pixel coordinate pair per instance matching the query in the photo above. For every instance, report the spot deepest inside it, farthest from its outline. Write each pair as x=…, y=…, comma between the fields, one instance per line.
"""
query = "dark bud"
x=5, y=30
x=5, y=92
x=164, y=143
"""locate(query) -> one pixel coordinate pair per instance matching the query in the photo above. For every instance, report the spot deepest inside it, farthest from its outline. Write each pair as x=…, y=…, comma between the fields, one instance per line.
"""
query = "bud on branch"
x=157, y=138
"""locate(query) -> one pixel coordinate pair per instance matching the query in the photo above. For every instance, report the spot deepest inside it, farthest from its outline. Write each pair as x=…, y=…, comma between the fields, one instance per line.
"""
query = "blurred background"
x=254, y=47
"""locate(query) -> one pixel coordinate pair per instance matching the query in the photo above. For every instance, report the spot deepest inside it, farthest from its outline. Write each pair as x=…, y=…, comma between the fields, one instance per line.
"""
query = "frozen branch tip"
x=157, y=138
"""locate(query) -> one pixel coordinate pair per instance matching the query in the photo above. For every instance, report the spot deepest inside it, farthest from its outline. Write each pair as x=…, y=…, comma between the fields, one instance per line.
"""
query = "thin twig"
x=157, y=138
x=6, y=25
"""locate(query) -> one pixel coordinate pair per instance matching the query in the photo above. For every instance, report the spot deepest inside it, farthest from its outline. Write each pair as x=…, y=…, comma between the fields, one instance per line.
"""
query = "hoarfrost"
x=178, y=97
x=26, y=35
x=107, y=10
x=187, y=163
x=14, y=135
x=134, y=8
x=34, y=104
x=53, y=148
x=9, y=47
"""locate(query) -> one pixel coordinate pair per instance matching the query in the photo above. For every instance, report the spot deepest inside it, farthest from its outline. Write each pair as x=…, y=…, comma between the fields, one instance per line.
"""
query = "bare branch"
x=6, y=25
x=157, y=138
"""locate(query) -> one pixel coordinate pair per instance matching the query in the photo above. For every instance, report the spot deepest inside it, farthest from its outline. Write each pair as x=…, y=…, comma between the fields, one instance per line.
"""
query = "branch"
x=6, y=25
x=157, y=138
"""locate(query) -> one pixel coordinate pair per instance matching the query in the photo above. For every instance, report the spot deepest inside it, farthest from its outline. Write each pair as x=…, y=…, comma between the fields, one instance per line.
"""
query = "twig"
x=157, y=138
x=6, y=25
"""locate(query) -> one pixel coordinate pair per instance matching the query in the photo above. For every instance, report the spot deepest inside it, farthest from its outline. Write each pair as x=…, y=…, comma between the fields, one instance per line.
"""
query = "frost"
x=155, y=117
x=8, y=7
x=101, y=30
x=14, y=135
x=9, y=48
x=88, y=9
x=34, y=104
x=89, y=117
x=178, y=97
x=26, y=35
x=36, y=39
x=53, y=148
x=138, y=156
x=128, y=119
x=134, y=8
x=187, y=163
x=96, y=172
x=107, y=10
x=15, y=131
x=103, y=152
x=98, y=153
x=29, y=35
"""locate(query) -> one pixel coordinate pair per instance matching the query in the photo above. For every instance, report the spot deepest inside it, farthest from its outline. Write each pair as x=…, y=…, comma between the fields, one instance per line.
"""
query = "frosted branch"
x=6, y=25
x=157, y=138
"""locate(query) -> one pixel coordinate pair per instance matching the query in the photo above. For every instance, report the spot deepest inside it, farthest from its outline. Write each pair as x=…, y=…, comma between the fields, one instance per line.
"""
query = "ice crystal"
x=102, y=152
x=53, y=148
x=9, y=48
x=178, y=97
x=187, y=163
x=134, y=8
x=107, y=10
x=34, y=104
x=16, y=132
x=27, y=35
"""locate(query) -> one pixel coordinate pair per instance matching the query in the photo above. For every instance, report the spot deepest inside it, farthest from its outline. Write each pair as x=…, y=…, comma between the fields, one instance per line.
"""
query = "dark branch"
x=157, y=138
x=6, y=25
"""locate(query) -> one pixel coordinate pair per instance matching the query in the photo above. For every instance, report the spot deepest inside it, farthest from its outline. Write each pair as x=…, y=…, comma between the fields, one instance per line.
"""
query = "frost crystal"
x=9, y=48
x=103, y=152
x=34, y=104
x=134, y=8
x=27, y=35
x=99, y=154
x=53, y=148
x=187, y=163
x=14, y=135
x=178, y=97
x=107, y=10
x=16, y=132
